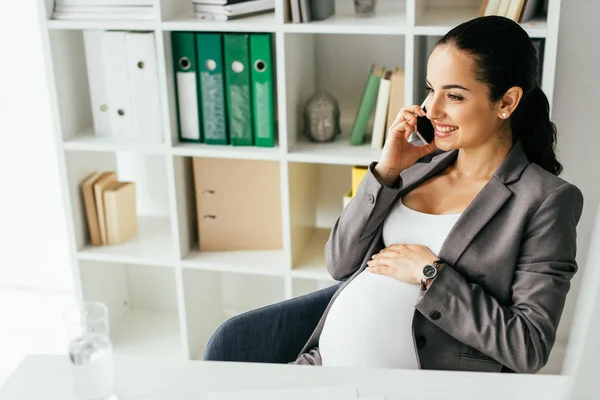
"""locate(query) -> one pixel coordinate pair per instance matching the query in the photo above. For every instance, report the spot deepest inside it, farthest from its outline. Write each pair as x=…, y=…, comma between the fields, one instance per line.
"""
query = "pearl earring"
x=504, y=115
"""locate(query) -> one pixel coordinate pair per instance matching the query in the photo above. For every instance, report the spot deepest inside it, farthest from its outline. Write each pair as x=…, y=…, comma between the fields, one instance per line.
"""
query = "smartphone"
x=424, y=134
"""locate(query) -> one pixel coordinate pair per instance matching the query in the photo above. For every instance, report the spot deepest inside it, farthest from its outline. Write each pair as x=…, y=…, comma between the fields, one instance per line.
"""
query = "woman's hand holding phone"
x=398, y=154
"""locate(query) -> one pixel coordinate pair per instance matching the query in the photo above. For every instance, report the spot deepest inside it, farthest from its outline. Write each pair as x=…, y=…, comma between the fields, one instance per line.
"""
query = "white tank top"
x=370, y=322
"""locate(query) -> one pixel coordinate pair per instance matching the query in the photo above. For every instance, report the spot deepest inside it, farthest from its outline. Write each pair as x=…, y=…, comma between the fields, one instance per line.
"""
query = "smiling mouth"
x=445, y=129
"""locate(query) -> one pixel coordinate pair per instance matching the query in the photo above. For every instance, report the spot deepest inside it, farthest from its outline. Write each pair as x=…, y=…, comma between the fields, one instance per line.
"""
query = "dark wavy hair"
x=505, y=57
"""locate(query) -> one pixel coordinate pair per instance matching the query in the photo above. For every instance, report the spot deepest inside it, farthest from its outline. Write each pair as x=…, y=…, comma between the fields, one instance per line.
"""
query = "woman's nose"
x=434, y=109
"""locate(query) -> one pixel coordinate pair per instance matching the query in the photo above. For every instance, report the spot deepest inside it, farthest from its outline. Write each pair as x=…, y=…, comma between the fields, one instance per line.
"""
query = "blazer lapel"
x=485, y=205
x=420, y=172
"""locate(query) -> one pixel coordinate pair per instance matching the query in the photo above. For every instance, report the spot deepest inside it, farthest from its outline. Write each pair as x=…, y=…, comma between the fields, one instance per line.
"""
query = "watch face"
x=429, y=271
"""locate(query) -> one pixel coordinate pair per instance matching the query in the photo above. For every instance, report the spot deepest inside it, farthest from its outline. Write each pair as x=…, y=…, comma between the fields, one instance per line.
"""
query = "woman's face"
x=458, y=105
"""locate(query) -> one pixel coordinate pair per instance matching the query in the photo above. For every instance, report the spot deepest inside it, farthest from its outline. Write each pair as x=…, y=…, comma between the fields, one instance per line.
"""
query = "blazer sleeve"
x=355, y=228
x=519, y=336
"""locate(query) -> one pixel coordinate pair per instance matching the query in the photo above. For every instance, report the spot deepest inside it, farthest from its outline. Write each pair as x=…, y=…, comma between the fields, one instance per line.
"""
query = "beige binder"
x=120, y=212
x=89, y=203
x=105, y=180
x=238, y=204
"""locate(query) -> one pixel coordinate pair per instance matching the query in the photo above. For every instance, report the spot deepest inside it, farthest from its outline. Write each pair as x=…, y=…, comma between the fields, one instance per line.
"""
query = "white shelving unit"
x=164, y=295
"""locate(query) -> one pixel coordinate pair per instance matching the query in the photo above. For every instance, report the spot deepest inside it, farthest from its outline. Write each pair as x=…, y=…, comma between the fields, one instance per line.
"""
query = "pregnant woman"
x=457, y=255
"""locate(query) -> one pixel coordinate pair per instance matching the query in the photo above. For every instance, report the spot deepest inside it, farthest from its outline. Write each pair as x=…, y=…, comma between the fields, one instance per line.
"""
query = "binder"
x=238, y=208
x=120, y=212
x=189, y=117
x=105, y=180
x=89, y=203
x=94, y=59
x=143, y=73
x=358, y=173
x=365, y=107
x=209, y=47
x=237, y=86
x=114, y=47
x=262, y=89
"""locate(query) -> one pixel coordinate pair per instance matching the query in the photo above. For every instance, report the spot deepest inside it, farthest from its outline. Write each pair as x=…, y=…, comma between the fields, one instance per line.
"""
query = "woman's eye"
x=428, y=89
x=453, y=97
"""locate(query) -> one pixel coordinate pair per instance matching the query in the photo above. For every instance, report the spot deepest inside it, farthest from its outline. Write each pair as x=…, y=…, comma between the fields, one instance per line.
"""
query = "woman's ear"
x=510, y=101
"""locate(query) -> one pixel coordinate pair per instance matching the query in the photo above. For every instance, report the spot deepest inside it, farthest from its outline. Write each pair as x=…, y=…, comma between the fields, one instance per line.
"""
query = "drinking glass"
x=90, y=351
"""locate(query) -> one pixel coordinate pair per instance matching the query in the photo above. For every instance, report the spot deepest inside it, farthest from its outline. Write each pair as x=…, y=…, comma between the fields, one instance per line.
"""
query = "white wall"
x=576, y=111
x=33, y=244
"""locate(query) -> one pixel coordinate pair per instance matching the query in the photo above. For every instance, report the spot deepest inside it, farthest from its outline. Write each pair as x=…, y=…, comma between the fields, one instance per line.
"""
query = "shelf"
x=136, y=25
x=152, y=246
x=311, y=262
x=87, y=141
x=438, y=21
x=339, y=152
x=142, y=331
x=227, y=151
x=256, y=23
x=260, y=262
x=393, y=23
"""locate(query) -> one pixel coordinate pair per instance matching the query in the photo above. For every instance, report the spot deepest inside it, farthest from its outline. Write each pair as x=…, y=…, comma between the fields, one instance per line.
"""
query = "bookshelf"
x=164, y=295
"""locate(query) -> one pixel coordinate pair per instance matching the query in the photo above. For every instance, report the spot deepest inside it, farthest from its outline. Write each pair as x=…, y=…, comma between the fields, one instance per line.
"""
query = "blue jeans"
x=272, y=334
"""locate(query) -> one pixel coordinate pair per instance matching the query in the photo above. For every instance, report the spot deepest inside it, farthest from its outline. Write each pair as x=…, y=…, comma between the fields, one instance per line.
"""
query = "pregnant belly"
x=370, y=324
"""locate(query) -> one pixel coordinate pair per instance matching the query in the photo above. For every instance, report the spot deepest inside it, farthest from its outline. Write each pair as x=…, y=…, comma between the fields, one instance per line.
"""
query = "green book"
x=262, y=89
x=209, y=47
x=365, y=107
x=189, y=116
x=237, y=88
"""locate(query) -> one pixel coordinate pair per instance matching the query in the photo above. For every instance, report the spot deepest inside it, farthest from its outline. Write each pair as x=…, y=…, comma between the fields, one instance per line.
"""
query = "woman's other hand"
x=403, y=262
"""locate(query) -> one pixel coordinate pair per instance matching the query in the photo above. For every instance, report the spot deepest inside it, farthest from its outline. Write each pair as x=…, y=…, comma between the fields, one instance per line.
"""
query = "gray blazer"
x=511, y=253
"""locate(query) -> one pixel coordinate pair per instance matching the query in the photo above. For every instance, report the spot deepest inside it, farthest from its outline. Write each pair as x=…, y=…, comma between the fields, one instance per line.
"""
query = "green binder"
x=189, y=116
x=209, y=47
x=365, y=108
x=237, y=88
x=262, y=89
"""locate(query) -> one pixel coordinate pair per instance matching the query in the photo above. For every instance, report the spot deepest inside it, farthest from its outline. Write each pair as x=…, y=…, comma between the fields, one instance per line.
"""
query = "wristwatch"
x=430, y=271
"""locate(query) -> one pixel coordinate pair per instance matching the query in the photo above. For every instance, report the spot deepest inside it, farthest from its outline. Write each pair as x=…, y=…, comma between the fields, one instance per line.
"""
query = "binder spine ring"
x=185, y=63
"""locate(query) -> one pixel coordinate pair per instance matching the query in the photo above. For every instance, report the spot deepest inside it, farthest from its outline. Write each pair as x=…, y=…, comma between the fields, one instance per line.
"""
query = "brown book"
x=89, y=203
x=396, y=96
x=120, y=212
x=515, y=9
x=238, y=204
x=105, y=180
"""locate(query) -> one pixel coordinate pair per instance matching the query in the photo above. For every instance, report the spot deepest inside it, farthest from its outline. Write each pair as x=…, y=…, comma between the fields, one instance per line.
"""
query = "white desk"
x=47, y=377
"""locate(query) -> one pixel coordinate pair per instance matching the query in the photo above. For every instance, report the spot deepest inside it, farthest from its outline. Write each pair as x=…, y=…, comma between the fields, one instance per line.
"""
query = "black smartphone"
x=424, y=134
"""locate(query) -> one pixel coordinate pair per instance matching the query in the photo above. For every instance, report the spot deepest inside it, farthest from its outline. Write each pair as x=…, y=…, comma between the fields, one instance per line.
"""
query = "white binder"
x=117, y=83
x=143, y=79
x=96, y=81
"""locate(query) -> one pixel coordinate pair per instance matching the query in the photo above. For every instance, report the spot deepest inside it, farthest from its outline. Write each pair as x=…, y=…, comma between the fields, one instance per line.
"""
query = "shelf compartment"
x=87, y=141
x=154, y=241
x=316, y=201
x=265, y=262
x=178, y=15
x=389, y=18
x=213, y=297
x=142, y=304
x=437, y=17
x=229, y=203
x=338, y=65
x=72, y=83
x=152, y=246
x=186, y=148
x=301, y=287
x=234, y=152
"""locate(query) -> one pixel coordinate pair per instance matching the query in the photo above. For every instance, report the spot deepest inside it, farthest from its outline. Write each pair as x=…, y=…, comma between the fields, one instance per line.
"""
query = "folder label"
x=188, y=110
